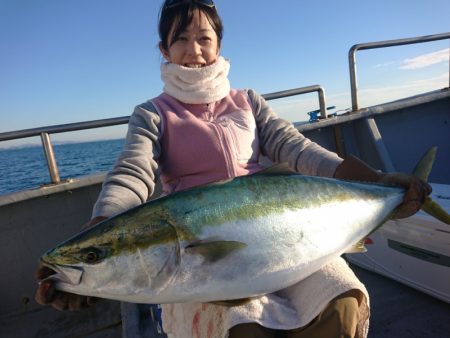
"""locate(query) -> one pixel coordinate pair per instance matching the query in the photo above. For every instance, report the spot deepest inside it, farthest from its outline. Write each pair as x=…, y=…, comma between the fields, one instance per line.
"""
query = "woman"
x=198, y=131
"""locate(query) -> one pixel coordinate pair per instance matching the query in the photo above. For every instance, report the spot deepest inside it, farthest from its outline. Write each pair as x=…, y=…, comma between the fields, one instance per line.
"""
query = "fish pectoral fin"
x=215, y=250
x=232, y=302
x=359, y=247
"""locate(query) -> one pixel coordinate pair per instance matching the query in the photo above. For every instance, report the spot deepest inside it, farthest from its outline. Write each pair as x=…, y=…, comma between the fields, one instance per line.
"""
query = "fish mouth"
x=64, y=274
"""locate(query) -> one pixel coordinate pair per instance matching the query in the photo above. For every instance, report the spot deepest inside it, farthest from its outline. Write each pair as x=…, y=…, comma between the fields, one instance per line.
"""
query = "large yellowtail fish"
x=249, y=236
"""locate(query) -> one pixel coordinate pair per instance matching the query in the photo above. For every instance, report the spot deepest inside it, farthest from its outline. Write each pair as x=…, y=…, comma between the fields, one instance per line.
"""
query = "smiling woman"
x=192, y=39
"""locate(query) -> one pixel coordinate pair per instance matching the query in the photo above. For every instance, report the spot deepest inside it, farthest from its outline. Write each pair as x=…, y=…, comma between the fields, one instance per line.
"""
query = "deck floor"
x=399, y=311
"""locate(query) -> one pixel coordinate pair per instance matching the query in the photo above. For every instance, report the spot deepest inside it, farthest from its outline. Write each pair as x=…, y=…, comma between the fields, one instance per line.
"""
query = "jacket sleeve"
x=132, y=180
x=281, y=142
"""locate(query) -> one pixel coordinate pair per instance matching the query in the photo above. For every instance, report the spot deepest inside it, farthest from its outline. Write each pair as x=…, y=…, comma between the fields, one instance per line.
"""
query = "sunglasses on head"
x=174, y=3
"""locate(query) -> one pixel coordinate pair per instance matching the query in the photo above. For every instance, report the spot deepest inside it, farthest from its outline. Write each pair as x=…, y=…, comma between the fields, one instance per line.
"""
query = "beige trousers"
x=338, y=320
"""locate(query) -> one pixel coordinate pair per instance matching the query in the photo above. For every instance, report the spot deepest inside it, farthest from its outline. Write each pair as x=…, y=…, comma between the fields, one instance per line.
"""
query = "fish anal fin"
x=232, y=302
x=214, y=250
x=359, y=247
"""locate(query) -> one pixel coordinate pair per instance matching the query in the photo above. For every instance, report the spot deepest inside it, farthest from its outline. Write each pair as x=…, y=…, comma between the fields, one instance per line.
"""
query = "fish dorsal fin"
x=213, y=251
x=280, y=168
x=359, y=247
x=423, y=168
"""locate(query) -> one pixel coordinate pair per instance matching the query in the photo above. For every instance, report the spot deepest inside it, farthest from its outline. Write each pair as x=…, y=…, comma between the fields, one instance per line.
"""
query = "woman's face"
x=196, y=47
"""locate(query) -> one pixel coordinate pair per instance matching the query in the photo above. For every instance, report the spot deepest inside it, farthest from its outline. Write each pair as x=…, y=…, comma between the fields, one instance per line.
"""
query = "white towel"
x=290, y=308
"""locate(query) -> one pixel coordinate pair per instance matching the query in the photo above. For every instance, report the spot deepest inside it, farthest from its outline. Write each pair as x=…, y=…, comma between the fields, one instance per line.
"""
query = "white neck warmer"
x=197, y=85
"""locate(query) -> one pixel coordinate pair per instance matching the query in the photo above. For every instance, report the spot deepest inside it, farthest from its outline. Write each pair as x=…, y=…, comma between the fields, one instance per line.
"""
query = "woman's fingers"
x=45, y=293
x=416, y=191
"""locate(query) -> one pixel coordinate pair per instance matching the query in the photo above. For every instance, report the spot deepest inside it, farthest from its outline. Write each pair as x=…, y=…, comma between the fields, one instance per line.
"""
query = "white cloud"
x=426, y=60
x=295, y=109
x=377, y=95
x=385, y=65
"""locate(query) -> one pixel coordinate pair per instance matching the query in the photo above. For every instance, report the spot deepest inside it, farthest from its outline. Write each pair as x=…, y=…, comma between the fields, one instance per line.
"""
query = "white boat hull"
x=414, y=251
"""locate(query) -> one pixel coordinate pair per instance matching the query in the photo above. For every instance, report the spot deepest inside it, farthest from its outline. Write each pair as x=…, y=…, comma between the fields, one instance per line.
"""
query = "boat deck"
x=399, y=311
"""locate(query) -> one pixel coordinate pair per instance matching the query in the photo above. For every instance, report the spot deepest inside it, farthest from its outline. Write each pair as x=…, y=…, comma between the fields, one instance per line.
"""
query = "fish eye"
x=92, y=255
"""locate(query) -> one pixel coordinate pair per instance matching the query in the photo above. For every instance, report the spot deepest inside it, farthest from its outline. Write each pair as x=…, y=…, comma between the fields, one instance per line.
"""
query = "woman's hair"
x=180, y=17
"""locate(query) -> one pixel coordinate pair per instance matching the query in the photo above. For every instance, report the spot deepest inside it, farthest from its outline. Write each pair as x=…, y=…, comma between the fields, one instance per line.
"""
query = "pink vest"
x=204, y=143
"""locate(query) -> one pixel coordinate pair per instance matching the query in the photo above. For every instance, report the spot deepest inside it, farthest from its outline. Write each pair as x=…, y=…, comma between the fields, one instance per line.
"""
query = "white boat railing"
x=383, y=44
x=44, y=132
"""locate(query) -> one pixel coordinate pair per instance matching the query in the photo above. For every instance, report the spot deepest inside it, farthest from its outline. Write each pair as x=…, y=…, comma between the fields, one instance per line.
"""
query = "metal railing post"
x=382, y=44
x=322, y=105
x=353, y=79
x=44, y=132
x=50, y=156
x=302, y=90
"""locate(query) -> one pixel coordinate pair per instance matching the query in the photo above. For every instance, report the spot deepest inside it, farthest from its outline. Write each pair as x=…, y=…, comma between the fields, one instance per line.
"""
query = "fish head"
x=116, y=259
x=75, y=261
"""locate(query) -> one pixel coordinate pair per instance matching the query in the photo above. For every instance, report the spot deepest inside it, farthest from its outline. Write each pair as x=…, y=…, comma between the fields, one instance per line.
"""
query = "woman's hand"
x=354, y=169
x=416, y=191
x=46, y=293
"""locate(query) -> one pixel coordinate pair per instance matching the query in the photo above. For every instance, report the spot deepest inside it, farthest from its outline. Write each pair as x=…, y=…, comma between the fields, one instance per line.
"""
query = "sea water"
x=26, y=168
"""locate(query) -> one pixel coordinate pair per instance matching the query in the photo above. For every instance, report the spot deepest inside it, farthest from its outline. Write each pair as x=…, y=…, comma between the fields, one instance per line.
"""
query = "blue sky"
x=67, y=61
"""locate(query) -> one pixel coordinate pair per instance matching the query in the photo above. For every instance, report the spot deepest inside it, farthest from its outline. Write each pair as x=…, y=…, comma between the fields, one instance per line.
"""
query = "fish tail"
x=434, y=209
x=424, y=166
x=422, y=171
